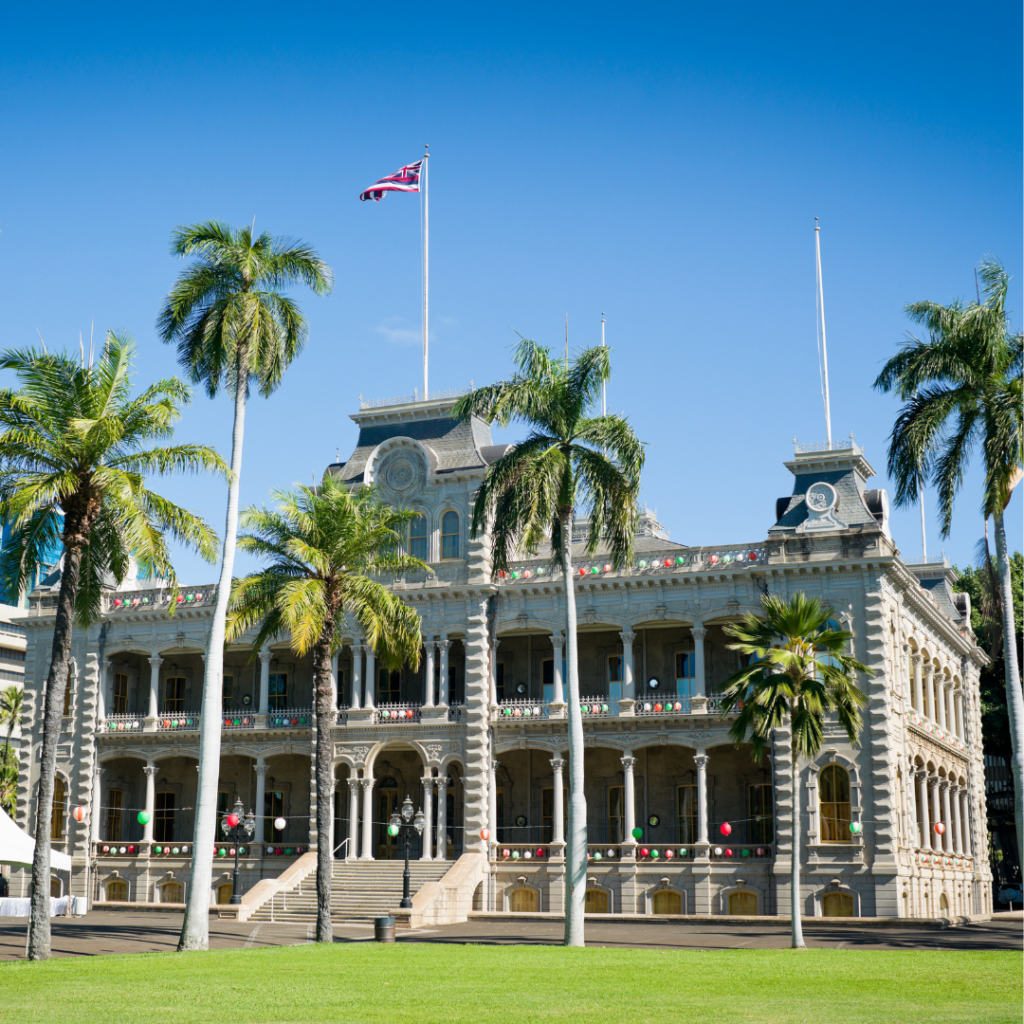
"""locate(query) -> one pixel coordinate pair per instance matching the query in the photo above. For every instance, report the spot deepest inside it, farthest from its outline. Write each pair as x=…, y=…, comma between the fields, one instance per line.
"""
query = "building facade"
x=478, y=735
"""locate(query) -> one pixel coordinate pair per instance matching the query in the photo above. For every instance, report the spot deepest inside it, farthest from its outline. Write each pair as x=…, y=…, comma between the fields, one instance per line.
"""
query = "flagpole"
x=604, y=383
x=426, y=267
x=824, y=348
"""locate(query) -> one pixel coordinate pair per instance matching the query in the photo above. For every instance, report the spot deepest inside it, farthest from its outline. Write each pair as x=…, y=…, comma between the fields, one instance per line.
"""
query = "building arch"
x=665, y=889
x=730, y=906
x=521, y=897
x=599, y=898
x=844, y=897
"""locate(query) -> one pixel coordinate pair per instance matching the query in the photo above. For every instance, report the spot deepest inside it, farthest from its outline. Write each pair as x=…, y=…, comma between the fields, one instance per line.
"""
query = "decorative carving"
x=822, y=501
x=434, y=750
x=628, y=763
x=557, y=765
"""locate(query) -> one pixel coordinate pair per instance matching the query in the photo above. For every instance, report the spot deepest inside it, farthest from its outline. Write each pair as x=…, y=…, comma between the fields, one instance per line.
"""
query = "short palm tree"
x=324, y=545
x=235, y=329
x=962, y=390
x=797, y=673
x=12, y=700
x=74, y=456
x=9, y=781
x=530, y=496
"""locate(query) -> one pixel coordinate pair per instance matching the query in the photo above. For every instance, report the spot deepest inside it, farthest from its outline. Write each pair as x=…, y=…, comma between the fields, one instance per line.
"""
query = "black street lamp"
x=237, y=828
x=405, y=826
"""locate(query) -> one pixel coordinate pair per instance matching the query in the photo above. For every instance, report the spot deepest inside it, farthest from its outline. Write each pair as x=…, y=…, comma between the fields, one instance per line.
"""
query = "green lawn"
x=450, y=984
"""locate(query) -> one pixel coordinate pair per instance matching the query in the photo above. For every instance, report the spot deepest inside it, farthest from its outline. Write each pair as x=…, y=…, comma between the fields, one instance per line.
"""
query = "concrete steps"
x=360, y=891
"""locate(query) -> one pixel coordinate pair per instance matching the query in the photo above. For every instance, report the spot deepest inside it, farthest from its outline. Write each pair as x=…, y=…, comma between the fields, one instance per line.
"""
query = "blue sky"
x=663, y=164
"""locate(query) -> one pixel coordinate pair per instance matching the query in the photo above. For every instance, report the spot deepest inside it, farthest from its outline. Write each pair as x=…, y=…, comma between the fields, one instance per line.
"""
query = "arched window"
x=837, y=904
x=60, y=797
x=943, y=902
x=834, y=804
x=117, y=890
x=224, y=891
x=55, y=886
x=595, y=902
x=418, y=538
x=450, y=535
x=522, y=901
x=668, y=902
x=743, y=904
x=172, y=892
x=830, y=626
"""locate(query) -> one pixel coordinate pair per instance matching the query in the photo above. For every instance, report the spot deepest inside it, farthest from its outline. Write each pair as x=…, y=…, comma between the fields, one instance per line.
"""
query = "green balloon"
x=638, y=833
x=392, y=830
x=143, y=817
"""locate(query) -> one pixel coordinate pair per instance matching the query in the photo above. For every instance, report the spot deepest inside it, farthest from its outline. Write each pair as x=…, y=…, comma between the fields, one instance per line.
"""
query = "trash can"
x=384, y=929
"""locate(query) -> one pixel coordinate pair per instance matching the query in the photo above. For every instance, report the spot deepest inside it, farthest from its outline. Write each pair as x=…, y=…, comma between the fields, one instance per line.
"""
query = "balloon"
x=597, y=856
x=222, y=852
x=485, y=834
x=232, y=820
x=184, y=850
x=78, y=813
x=760, y=851
x=515, y=855
x=939, y=828
x=392, y=830
x=644, y=851
x=718, y=851
x=855, y=828
x=655, y=854
x=638, y=833
x=540, y=852
x=176, y=851
x=683, y=851
x=143, y=817
x=527, y=855
x=231, y=852
x=106, y=849
x=131, y=848
x=726, y=828
x=728, y=853
x=122, y=850
x=610, y=852
x=506, y=853
x=279, y=824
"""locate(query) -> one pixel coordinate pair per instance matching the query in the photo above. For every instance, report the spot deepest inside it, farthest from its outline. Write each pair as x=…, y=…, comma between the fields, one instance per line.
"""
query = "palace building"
x=477, y=736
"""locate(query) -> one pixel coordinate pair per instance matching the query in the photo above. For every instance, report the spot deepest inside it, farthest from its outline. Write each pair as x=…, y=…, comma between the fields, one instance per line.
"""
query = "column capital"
x=628, y=636
x=97, y=771
x=150, y=770
x=699, y=632
x=367, y=784
x=916, y=659
x=442, y=782
x=156, y=660
x=495, y=765
x=701, y=760
x=921, y=773
x=557, y=764
x=927, y=668
x=943, y=784
x=953, y=788
x=557, y=640
x=429, y=644
x=353, y=784
x=933, y=781
x=427, y=780
x=265, y=655
x=443, y=645
x=628, y=763
x=261, y=770
x=947, y=685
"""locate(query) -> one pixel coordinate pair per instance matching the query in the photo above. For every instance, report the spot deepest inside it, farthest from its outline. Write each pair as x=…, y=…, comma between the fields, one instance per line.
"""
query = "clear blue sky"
x=661, y=163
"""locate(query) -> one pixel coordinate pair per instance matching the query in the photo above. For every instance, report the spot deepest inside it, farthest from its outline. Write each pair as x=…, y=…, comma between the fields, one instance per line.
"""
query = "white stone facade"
x=484, y=744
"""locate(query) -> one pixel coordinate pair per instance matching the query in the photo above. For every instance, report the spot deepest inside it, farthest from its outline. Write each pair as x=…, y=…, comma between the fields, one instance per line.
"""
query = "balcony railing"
x=454, y=712
x=165, y=850
x=159, y=597
x=178, y=721
x=598, y=707
x=396, y=714
x=290, y=718
x=934, y=731
x=122, y=723
x=511, y=710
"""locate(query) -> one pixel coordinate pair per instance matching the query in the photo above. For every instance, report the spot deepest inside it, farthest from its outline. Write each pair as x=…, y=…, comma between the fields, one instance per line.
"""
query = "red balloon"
x=485, y=834
x=540, y=852
x=939, y=827
x=232, y=820
x=644, y=852
x=78, y=813
x=726, y=828
x=728, y=853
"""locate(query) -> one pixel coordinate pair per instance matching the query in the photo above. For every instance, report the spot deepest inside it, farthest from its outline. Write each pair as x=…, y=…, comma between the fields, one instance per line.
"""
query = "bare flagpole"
x=824, y=348
x=604, y=383
x=426, y=266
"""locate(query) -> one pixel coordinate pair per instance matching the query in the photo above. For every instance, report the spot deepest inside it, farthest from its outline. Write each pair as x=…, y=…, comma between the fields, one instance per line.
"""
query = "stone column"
x=929, y=692
x=428, y=817
x=147, y=829
x=442, y=682
x=441, y=782
x=951, y=711
x=965, y=822
x=492, y=801
x=371, y=679
x=265, y=656
x=428, y=673
x=106, y=676
x=934, y=814
x=367, y=785
x=629, y=798
x=940, y=701
x=953, y=825
x=946, y=838
x=958, y=700
x=154, y=686
x=915, y=661
x=557, y=804
x=557, y=645
x=493, y=702
x=97, y=803
x=922, y=809
x=700, y=759
x=628, y=681
x=357, y=675
x=261, y=768
x=353, y=819
x=334, y=683
x=699, y=686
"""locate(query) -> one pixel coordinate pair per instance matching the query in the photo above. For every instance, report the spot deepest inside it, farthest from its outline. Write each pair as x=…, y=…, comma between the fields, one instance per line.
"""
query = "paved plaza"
x=106, y=932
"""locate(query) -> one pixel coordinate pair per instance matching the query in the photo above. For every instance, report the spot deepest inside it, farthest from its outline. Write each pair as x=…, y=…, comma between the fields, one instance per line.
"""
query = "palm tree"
x=530, y=496
x=235, y=329
x=73, y=445
x=324, y=545
x=12, y=700
x=797, y=672
x=962, y=390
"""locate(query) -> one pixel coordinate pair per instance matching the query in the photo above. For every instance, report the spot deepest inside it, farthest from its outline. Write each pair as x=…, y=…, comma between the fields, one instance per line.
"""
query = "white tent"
x=17, y=847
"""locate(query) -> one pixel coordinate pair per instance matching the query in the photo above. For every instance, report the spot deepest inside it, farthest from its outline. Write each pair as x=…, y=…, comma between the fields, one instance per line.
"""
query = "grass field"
x=452, y=984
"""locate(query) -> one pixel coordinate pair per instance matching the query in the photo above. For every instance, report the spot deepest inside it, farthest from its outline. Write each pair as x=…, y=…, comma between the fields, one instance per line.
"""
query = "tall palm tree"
x=236, y=330
x=12, y=700
x=530, y=497
x=74, y=444
x=961, y=388
x=797, y=672
x=323, y=546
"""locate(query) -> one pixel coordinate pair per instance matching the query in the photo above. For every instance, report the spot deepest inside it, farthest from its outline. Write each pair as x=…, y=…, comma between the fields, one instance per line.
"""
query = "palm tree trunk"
x=324, y=785
x=1014, y=697
x=56, y=684
x=195, y=930
x=576, y=845
x=794, y=874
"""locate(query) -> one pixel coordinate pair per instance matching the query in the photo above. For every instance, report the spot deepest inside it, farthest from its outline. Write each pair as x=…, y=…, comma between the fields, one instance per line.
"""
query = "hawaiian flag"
x=405, y=179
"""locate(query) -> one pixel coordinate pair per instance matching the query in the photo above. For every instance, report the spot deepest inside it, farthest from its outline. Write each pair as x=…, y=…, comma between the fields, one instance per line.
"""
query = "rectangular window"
x=174, y=693
x=273, y=808
x=60, y=798
x=547, y=675
x=418, y=538
x=686, y=671
x=389, y=686
x=614, y=668
x=762, y=814
x=7, y=654
x=68, y=687
x=686, y=812
x=278, y=691
x=547, y=812
x=227, y=692
x=120, y=695
x=616, y=813
x=115, y=814
x=163, y=818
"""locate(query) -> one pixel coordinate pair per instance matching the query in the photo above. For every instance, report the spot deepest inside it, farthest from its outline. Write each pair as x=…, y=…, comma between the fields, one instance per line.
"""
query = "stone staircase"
x=360, y=890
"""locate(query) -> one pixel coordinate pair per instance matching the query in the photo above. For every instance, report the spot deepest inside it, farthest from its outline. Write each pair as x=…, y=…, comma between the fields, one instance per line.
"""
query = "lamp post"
x=236, y=828
x=405, y=825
